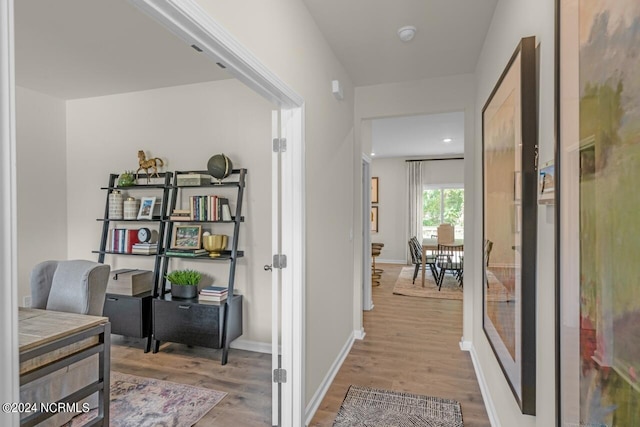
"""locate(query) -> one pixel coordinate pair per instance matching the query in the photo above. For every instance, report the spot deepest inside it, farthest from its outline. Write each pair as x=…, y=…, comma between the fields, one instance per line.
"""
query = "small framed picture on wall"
x=374, y=219
x=374, y=189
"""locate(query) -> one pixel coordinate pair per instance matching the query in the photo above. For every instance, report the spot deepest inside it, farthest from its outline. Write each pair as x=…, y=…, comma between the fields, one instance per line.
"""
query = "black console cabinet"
x=189, y=322
x=129, y=315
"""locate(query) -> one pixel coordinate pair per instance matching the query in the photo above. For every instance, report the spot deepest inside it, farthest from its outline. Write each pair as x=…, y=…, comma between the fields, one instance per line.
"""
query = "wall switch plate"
x=26, y=301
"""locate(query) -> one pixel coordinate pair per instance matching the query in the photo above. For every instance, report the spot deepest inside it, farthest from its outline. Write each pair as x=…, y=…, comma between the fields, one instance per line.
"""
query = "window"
x=442, y=205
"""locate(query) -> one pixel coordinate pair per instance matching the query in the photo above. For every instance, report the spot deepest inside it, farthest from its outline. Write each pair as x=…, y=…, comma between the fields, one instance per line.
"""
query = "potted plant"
x=184, y=283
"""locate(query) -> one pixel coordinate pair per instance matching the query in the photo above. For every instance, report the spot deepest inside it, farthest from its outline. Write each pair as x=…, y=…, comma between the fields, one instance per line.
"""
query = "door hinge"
x=279, y=261
x=279, y=376
x=279, y=145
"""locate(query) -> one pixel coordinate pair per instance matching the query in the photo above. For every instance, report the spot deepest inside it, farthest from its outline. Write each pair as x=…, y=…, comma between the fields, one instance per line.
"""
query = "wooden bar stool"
x=376, y=273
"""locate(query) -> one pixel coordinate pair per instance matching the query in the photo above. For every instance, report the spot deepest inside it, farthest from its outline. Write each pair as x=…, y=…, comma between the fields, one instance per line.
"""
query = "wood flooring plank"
x=411, y=345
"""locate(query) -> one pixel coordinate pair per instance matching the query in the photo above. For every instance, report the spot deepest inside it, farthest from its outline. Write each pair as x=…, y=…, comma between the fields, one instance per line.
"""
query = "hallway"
x=412, y=345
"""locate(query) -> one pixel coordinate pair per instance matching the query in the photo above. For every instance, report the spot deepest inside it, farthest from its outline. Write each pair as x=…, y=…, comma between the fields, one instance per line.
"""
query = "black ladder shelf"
x=131, y=315
x=190, y=321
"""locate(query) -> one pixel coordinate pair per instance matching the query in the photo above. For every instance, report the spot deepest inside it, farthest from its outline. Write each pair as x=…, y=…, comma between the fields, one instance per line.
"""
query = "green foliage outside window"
x=448, y=210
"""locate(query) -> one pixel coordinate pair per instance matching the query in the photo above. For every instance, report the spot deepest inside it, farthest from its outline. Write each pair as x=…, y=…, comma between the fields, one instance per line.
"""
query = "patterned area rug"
x=371, y=407
x=147, y=402
x=450, y=288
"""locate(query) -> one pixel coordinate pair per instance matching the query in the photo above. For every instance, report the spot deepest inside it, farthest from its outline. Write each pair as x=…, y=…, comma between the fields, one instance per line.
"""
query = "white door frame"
x=187, y=20
x=367, y=299
x=9, y=390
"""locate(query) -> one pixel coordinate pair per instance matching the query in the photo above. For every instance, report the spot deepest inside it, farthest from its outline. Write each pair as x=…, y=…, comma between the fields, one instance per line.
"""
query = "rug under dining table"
x=450, y=286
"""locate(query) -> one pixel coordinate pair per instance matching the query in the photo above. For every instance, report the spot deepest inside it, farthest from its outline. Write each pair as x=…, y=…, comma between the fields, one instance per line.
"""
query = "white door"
x=287, y=267
x=276, y=288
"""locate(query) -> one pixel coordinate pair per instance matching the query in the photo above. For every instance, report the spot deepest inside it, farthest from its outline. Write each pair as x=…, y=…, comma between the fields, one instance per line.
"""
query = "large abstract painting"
x=509, y=143
x=599, y=268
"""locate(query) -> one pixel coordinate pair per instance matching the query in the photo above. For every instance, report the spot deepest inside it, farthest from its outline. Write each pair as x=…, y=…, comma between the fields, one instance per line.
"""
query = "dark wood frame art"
x=374, y=219
x=374, y=189
x=525, y=395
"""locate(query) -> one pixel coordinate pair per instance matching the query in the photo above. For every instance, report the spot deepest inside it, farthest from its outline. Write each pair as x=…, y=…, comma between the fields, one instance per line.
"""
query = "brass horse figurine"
x=148, y=164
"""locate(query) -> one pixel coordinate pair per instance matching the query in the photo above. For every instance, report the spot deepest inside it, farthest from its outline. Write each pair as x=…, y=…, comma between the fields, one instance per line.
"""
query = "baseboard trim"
x=391, y=261
x=359, y=334
x=314, y=404
x=482, y=382
x=256, y=346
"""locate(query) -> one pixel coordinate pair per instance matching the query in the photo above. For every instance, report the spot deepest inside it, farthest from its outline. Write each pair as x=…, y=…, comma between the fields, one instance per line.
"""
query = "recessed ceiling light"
x=447, y=140
x=407, y=33
x=373, y=154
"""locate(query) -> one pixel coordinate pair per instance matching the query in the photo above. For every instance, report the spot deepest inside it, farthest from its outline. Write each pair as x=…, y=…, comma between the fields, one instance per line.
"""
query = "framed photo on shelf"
x=374, y=189
x=598, y=165
x=146, y=207
x=374, y=219
x=509, y=141
x=186, y=237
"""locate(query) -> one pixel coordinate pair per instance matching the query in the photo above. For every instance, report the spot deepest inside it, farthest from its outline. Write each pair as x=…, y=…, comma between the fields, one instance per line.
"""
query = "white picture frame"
x=146, y=207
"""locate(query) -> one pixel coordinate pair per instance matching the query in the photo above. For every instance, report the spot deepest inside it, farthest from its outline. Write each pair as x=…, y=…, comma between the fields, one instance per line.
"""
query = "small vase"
x=131, y=208
x=116, y=205
x=184, y=291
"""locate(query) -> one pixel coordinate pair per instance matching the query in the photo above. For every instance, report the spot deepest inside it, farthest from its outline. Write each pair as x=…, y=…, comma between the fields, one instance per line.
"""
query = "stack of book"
x=213, y=294
x=209, y=208
x=122, y=240
x=189, y=253
x=144, y=248
x=180, y=215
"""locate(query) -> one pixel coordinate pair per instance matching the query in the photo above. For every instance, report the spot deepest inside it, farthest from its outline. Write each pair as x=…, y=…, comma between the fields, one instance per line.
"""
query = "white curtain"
x=414, y=179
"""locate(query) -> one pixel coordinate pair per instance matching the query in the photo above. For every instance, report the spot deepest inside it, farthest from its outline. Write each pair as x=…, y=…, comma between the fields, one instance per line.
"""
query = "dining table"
x=431, y=244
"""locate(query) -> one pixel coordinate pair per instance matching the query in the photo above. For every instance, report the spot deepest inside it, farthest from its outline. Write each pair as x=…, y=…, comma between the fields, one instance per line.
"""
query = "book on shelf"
x=188, y=251
x=180, y=215
x=214, y=289
x=213, y=294
x=212, y=298
x=122, y=240
x=171, y=252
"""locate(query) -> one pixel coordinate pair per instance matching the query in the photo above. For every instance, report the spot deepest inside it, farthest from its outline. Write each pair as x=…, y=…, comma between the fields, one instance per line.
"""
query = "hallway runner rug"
x=147, y=402
x=371, y=407
x=450, y=288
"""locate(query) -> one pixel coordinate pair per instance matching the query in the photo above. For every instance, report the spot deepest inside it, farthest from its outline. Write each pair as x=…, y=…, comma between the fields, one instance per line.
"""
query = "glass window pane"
x=431, y=212
x=453, y=212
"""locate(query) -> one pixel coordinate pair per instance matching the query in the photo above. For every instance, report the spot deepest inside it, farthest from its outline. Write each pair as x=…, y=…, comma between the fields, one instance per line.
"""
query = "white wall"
x=512, y=21
x=438, y=95
x=392, y=209
x=285, y=38
x=185, y=126
x=393, y=195
x=41, y=182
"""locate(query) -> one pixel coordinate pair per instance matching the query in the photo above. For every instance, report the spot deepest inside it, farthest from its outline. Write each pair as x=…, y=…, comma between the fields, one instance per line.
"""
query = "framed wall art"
x=547, y=184
x=374, y=189
x=597, y=202
x=509, y=142
x=374, y=219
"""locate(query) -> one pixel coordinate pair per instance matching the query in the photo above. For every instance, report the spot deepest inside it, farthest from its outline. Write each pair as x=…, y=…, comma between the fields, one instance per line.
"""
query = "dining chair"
x=415, y=249
x=488, y=245
x=450, y=258
x=446, y=234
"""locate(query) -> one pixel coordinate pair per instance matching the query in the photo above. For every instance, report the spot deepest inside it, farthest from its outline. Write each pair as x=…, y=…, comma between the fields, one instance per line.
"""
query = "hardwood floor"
x=246, y=377
x=411, y=345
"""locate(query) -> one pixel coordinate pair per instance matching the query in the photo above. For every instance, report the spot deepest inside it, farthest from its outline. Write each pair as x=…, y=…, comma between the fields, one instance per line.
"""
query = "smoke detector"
x=407, y=33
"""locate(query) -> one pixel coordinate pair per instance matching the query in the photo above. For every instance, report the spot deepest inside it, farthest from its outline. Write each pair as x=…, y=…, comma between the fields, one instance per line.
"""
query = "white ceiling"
x=418, y=136
x=84, y=48
x=363, y=34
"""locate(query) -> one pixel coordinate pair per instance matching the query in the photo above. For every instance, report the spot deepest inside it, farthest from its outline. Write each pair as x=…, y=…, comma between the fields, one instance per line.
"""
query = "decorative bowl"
x=215, y=243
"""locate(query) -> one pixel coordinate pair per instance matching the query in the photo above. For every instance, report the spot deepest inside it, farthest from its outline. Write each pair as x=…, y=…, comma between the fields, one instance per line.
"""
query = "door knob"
x=268, y=268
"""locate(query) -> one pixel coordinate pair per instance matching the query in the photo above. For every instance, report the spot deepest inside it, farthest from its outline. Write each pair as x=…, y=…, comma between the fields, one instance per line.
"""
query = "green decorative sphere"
x=126, y=179
x=219, y=166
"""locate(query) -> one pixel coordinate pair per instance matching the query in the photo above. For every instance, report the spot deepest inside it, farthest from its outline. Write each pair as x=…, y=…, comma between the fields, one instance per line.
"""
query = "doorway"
x=188, y=21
